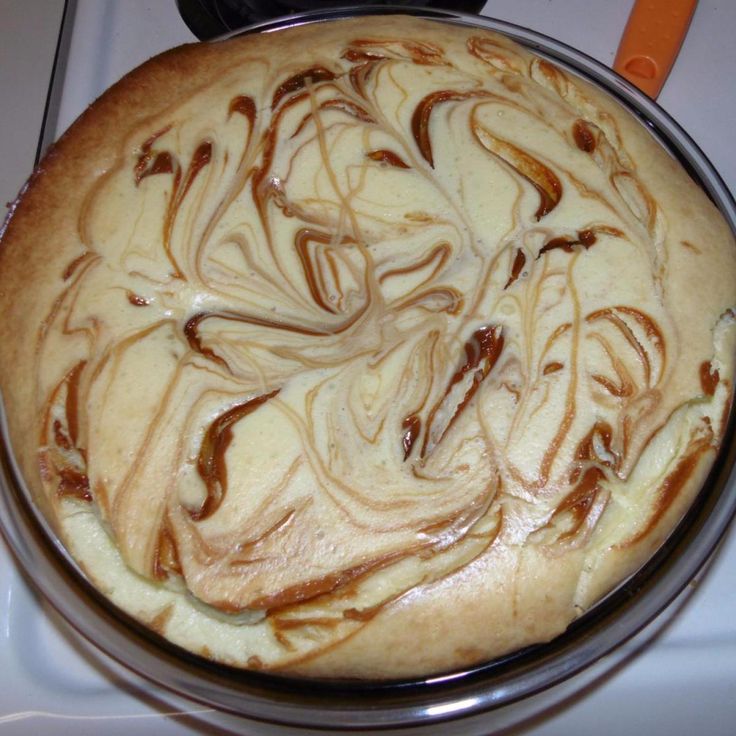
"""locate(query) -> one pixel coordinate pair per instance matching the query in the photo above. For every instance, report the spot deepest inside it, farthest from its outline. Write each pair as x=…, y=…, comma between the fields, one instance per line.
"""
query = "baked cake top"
x=370, y=348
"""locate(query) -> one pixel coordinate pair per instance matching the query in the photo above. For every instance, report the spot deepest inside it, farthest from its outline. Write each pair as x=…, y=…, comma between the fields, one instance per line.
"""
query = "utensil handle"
x=651, y=41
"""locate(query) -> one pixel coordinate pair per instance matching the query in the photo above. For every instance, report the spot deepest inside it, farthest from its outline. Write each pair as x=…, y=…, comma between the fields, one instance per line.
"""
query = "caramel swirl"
x=406, y=305
x=584, y=138
x=299, y=81
x=211, y=460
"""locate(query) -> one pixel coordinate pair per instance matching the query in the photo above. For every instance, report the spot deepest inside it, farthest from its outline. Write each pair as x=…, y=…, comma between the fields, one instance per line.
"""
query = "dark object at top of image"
x=208, y=19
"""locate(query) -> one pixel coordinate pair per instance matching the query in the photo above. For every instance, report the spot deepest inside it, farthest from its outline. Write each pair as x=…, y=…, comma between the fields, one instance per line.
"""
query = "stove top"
x=678, y=679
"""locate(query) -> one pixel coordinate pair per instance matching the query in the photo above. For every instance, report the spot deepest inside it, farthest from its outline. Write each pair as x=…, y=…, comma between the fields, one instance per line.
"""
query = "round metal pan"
x=492, y=687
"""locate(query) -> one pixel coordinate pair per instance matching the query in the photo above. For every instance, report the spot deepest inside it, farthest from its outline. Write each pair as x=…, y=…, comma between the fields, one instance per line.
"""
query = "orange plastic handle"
x=651, y=41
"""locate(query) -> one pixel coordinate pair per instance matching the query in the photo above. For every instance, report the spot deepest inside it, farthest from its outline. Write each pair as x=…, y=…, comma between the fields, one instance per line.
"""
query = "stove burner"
x=211, y=18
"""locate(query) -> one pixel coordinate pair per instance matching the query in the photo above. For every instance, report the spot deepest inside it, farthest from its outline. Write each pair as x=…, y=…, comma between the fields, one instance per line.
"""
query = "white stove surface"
x=681, y=682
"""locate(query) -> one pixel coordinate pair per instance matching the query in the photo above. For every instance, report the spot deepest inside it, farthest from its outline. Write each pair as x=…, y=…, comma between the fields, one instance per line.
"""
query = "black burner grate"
x=211, y=18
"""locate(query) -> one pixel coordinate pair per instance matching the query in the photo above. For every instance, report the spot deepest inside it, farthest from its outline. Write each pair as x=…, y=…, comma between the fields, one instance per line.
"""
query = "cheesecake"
x=371, y=349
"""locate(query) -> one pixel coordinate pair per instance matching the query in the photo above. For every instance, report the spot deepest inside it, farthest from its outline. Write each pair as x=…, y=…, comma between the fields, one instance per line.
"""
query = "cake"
x=371, y=349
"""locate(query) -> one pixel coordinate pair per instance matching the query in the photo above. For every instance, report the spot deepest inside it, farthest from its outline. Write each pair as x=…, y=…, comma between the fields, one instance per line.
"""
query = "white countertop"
x=682, y=683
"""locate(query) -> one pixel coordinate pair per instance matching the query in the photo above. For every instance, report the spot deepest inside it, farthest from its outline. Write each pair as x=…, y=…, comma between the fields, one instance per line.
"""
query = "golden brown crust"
x=341, y=576
x=47, y=212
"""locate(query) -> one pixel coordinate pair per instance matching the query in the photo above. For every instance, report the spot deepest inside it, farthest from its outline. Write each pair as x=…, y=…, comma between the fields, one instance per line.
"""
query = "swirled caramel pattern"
x=356, y=321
